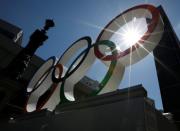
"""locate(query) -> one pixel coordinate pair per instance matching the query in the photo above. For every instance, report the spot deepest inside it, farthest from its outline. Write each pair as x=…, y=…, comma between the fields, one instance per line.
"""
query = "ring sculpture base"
x=126, y=109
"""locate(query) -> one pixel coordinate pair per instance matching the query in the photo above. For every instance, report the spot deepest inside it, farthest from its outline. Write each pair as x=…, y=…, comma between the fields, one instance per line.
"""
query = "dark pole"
x=18, y=65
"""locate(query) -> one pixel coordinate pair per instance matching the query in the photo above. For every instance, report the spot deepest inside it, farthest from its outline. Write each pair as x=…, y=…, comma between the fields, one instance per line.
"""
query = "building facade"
x=167, y=61
x=85, y=87
x=10, y=32
x=12, y=94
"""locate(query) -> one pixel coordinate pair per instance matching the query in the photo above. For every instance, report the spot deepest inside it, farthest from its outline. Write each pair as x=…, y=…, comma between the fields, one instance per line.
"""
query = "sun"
x=129, y=34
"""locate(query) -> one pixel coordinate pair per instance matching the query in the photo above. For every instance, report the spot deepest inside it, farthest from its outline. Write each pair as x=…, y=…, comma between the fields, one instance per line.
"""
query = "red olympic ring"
x=155, y=17
x=49, y=92
x=52, y=89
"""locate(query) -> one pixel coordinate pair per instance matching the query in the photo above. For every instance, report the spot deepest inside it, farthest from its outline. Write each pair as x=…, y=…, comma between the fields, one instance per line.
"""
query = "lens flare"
x=129, y=34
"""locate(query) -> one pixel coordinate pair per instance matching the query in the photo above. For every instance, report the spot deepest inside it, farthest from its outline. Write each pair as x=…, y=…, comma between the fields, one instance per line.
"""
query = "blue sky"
x=70, y=17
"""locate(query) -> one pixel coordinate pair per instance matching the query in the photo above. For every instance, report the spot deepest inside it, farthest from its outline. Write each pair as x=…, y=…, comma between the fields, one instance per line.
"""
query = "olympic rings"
x=49, y=88
x=67, y=83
